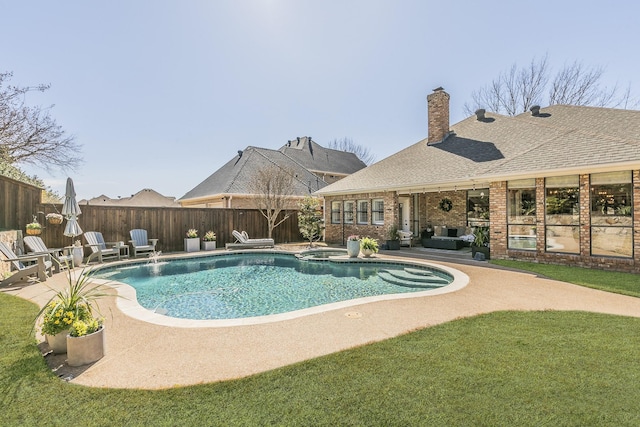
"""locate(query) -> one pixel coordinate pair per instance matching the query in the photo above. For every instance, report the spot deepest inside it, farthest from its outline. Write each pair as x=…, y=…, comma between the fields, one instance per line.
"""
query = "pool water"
x=247, y=285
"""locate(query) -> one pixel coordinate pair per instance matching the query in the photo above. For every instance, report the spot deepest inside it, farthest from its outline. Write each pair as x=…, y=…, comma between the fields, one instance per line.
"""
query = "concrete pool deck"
x=150, y=356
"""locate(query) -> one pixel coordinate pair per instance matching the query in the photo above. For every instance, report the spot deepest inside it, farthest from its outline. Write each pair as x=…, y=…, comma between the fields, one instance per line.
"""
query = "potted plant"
x=34, y=228
x=75, y=303
x=368, y=246
x=54, y=218
x=192, y=242
x=85, y=341
x=353, y=246
x=209, y=241
x=393, y=240
x=480, y=242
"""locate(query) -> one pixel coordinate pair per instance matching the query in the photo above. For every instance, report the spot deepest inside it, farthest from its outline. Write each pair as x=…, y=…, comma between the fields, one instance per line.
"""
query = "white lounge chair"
x=26, y=266
x=243, y=241
x=99, y=247
x=140, y=242
x=62, y=257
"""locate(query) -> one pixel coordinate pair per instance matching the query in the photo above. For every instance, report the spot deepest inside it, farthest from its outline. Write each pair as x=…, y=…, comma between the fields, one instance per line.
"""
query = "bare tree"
x=517, y=90
x=347, y=144
x=272, y=188
x=28, y=134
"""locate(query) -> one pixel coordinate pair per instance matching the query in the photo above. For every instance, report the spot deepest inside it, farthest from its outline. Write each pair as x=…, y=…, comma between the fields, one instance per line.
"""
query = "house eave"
x=485, y=179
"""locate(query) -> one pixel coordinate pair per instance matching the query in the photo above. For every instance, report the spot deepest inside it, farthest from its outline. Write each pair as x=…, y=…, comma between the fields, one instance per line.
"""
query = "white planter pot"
x=58, y=342
x=86, y=349
x=77, y=253
x=353, y=248
x=367, y=252
x=208, y=246
x=192, y=244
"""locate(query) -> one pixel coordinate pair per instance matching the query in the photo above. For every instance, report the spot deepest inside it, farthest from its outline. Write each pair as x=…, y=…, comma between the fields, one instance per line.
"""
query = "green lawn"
x=621, y=283
x=506, y=368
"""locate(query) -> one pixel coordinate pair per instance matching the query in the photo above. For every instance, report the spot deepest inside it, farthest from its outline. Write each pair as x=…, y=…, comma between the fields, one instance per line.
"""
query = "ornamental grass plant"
x=76, y=303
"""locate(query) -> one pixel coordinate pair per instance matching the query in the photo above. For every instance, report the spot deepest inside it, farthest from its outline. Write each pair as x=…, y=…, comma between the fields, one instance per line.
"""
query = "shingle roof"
x=317, y=158
x=145, y=197
x=235, y=176
x=560, y=139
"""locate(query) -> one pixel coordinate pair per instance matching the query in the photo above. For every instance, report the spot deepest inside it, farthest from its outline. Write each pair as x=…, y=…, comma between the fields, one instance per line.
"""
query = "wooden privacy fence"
x=19, y=202
x=169, y=225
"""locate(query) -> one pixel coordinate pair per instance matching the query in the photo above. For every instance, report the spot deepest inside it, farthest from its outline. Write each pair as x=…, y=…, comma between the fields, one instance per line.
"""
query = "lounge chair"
x=140, y=243
x=99, y=247
x=62, y=257
x=243, y=242
x=26, y=266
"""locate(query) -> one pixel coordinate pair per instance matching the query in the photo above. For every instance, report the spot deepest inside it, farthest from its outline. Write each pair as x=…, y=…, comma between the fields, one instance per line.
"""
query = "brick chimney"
x=438, y=115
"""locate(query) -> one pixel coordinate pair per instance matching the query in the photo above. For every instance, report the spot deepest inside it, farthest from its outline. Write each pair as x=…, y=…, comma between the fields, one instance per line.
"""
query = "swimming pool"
x=257, y=285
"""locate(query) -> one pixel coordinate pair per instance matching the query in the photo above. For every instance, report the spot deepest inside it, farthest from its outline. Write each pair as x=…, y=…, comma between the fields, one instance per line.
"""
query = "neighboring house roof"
x=236, y=175
x=317, y=158
x=145, y=197
x=560, y=140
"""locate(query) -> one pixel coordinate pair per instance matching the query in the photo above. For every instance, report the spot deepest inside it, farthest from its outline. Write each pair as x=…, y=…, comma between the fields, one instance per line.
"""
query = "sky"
x=160, y=94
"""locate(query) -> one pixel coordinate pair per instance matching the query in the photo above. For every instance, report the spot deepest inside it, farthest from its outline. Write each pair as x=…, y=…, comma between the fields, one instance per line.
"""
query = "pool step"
x=403, y=278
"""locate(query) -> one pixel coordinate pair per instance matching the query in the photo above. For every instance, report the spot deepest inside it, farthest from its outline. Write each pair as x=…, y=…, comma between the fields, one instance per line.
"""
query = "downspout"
x=229, y=201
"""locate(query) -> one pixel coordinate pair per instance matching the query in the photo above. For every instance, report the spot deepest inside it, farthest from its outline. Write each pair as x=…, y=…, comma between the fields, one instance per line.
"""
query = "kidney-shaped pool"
x=252, y=285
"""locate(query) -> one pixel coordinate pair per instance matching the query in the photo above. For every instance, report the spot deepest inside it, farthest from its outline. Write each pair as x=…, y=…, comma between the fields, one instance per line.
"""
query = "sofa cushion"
x=452, y=232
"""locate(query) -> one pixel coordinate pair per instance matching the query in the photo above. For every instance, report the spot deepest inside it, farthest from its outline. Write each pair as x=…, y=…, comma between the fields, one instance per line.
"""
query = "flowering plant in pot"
x=54, y=218
x=76, y=302
x=192, y=242
x=34, y=228
x=209, y=241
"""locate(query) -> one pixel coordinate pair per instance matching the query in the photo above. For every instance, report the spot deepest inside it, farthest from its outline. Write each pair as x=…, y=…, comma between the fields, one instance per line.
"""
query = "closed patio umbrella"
x=71, y=210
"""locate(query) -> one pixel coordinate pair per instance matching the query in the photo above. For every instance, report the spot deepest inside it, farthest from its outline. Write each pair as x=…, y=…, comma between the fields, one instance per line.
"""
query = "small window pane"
x=377, y=211
x=348, y=212
x=562, y=181
x=522, y=237
x=335, y=212
x=563, y=239
x=363, y=212
x=612, y=241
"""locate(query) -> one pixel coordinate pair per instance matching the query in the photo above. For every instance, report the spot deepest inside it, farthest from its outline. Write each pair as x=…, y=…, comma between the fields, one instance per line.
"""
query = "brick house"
x=313, y=166
x=557, y=185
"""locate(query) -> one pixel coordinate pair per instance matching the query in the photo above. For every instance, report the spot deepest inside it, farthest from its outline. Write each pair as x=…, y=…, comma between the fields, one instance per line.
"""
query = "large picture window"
x=363, y=212
x=335, y=212
x=521, y=214
x=348, y=212
x=478, y=208
x=377, y=211
x=612, y=214
x=562, y=219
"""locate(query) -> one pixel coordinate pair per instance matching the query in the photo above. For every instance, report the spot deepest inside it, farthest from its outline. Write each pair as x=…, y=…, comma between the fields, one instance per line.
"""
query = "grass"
x=505, y=368
x=611, y=281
